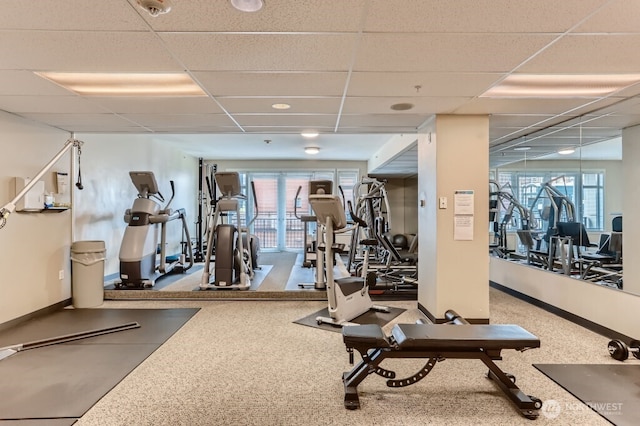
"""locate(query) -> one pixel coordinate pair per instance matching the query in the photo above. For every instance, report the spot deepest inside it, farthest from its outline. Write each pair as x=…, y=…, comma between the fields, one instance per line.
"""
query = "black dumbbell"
x=620, y=351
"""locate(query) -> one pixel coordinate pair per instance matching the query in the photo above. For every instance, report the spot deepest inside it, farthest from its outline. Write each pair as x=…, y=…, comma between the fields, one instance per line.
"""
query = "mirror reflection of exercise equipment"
x=347, y=297
x=555, y=239
x=502, y=206
x=236, y=250
x=388, y=263
x=142, y=260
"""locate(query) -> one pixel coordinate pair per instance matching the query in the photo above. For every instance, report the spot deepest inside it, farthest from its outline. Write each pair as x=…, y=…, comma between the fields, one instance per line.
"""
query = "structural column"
x=630, y=205
x=453, y=217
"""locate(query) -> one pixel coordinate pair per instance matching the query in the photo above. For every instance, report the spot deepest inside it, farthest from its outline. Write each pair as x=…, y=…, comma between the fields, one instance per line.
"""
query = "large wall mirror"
x=556, y=202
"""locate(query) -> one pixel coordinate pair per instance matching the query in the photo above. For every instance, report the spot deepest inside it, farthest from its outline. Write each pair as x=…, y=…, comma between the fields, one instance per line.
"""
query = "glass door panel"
x=265, y=227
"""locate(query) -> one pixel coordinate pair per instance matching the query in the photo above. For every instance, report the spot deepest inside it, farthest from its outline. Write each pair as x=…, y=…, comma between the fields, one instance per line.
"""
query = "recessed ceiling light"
x=402, y=106
x=280, y=106
x=247, y=5
x=125, y=84
x=309, y=134
x=560, y=85
x=312, y=150
x=566, y=151
x=522, y=148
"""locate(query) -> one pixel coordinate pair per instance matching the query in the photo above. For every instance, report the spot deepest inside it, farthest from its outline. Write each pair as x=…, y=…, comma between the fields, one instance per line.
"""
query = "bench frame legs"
x=371, y=359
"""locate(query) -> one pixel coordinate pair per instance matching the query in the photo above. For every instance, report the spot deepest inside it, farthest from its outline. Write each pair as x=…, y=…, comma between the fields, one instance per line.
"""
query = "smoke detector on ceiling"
x=155, y=7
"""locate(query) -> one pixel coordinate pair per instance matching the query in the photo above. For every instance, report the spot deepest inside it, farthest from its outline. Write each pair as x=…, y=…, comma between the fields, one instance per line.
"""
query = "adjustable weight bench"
x=437, y=343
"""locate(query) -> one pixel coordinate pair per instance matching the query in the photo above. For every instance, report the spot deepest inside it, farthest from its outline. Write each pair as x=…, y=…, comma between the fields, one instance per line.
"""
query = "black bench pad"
x=370, y=335
x=487, y=336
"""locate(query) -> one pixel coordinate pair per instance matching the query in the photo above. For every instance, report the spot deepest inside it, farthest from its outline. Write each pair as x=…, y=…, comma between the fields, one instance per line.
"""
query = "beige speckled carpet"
x=247, y=363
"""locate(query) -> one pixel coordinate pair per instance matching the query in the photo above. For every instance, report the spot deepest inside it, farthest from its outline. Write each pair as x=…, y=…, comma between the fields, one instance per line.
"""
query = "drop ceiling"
x=339, y=64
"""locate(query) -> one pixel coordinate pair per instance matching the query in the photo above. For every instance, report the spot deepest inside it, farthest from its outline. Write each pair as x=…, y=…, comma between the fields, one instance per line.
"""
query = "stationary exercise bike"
x=311, y=252
x=141, y=261
x=236, y=250
x=348, y=297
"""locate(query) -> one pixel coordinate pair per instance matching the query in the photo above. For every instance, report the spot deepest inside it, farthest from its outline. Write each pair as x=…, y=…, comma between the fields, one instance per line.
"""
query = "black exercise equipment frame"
x=379, y=347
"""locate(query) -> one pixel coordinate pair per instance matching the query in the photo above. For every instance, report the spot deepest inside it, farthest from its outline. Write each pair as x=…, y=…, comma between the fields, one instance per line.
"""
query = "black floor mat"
x=371, y=317
x=611, y=390
x=63, y=381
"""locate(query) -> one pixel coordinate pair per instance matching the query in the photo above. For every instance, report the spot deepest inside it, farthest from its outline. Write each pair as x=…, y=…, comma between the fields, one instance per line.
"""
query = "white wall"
x=35, y=246
x=396, y=145
x=106, y=162
x=608, y=307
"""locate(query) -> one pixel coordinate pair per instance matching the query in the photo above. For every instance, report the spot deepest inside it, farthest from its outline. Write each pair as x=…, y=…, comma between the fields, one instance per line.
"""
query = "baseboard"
x=583, y=322
x=40, y=312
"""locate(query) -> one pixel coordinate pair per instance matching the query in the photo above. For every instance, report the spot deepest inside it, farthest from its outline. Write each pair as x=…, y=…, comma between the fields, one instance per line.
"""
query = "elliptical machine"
x=141, y=262
x=236, y=250
x=348, y=297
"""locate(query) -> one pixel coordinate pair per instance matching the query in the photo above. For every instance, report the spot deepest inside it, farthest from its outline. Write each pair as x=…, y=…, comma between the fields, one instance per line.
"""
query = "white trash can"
x=87, y=273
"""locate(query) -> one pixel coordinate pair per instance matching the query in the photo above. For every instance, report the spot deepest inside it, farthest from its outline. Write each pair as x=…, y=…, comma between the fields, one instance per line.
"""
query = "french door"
x=276, y=224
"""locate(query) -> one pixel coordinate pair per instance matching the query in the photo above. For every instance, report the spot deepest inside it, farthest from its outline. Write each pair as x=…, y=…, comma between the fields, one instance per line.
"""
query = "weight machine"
x=501, y=199
x=549, y=207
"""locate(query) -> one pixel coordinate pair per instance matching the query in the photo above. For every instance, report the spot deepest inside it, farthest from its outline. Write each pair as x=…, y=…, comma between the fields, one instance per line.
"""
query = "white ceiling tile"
x=298, y=105
x=521, y=106
x=84, y=51
x=79, y=15
x=109, y=128
x=382, y=105
x=477, y=16
x=45, y=104
x=620, y=121
x=302, y=52
x=158, y=105
x=276, y=120
x=619, y=16
x=71, y=121
x=276, y=15
x=431, y=84
x=290, y=129
x=519, y=120
x=267, y=52
x=27, y=83
x=447, y=52
x=588, y=54
x=179, y=120
x=382, y=120
x=273, y=83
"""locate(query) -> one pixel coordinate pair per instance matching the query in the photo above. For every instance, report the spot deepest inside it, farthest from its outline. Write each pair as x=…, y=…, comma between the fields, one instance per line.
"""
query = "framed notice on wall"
x=463, y=215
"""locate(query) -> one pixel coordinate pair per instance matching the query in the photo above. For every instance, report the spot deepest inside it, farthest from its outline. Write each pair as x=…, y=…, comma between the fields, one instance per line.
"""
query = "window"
x=572, y=195
x=276, y=224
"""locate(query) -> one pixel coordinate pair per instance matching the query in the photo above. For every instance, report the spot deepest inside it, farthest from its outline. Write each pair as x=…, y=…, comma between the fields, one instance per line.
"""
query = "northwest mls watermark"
x=552, y=408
